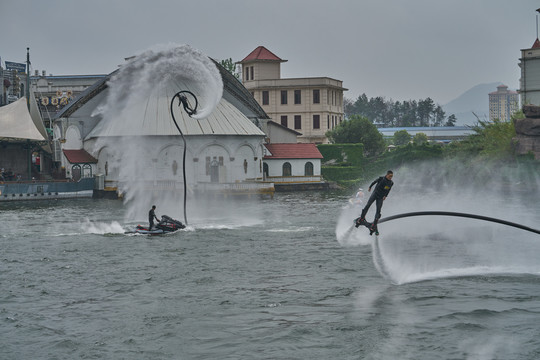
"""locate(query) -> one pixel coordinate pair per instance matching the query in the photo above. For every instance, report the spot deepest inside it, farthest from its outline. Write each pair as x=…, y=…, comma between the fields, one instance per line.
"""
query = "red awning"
x=293, y=151
x=79, y=156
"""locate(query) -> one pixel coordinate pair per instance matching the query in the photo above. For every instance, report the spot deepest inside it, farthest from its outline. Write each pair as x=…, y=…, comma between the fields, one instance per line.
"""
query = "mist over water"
x=429, y=247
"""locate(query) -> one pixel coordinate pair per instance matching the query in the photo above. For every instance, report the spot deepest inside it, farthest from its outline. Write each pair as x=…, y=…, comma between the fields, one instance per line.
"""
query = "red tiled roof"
x=293, y=151
x=262, y=53
x=79, y=156
x=536, y=44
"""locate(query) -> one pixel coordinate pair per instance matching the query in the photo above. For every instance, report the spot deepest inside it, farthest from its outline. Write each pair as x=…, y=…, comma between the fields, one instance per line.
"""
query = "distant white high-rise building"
x=503, y=103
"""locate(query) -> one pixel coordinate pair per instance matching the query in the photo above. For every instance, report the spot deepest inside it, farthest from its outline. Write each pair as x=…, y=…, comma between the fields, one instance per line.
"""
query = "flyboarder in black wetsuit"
x=383, y=187
x=151, y=217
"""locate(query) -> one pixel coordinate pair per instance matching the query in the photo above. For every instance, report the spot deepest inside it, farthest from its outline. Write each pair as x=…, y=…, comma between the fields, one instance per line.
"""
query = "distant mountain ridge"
x=475, y=100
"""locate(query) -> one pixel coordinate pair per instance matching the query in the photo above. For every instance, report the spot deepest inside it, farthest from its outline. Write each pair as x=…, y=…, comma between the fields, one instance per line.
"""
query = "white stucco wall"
x=160, y=158
x=275, y=166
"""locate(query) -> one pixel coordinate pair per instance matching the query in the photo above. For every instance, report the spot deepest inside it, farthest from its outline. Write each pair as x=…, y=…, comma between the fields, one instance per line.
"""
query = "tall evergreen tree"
x=390, y=113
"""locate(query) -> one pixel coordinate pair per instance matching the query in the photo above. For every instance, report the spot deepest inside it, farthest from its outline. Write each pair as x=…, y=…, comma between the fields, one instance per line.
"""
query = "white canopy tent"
x=17, y=123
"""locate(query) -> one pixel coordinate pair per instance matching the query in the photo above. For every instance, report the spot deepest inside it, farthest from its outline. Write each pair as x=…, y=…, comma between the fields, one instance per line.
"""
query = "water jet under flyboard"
x=410, y=252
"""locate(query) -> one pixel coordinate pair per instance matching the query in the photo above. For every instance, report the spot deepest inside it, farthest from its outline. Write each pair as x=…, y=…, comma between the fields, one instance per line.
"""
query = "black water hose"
x=458, y=214
x=190, y=110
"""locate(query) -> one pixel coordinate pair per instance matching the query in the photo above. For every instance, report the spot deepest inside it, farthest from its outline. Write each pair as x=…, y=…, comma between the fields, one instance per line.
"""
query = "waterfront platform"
x=41, y=190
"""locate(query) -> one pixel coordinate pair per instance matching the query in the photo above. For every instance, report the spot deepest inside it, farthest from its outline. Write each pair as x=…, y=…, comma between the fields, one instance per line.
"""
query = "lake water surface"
x=282, y=278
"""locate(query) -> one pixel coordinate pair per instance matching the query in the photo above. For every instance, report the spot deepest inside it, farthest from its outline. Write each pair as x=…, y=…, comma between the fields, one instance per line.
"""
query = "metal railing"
x=294, y=179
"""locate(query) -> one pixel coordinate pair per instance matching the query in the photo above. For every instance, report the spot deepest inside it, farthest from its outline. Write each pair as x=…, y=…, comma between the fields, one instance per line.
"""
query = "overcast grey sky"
x=394, y=48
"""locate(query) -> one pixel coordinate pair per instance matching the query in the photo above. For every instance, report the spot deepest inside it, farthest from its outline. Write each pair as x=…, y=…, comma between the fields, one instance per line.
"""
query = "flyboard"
x=373, y=227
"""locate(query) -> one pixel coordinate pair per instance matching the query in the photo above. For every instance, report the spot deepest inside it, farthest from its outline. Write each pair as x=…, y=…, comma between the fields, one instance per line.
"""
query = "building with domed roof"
x=124, y=122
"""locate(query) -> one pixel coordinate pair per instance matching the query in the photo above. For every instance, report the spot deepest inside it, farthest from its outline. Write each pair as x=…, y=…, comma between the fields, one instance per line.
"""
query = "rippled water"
x=267, y=280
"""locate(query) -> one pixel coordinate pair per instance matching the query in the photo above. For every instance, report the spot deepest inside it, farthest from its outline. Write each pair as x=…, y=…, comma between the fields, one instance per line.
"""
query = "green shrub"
x=352, y=154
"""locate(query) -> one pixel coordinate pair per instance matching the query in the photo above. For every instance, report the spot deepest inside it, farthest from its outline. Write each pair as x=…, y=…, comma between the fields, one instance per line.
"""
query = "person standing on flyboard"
x=383, y=187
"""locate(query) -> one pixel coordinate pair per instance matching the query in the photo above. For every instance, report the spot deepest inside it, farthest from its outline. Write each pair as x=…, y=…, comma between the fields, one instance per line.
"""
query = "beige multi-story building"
x=310, y=106
x=503, y=103
x=529, y=83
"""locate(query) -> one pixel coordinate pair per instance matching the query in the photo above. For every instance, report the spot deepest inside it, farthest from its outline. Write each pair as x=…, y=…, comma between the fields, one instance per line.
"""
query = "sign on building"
x=21, y=68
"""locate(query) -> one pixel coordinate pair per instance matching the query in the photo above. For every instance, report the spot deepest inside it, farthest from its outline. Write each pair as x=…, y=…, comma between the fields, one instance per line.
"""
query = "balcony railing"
x=294, y=179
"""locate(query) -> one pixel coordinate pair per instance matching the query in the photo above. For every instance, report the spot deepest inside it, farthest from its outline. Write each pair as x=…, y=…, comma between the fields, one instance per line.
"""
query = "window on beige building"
x=283, y=97
x=297, y=97
x=297, y=121
x=316, y=121
x=252, y=73
x=284, y=120
x=247, y=73
x=316, y=96
x=265, y=97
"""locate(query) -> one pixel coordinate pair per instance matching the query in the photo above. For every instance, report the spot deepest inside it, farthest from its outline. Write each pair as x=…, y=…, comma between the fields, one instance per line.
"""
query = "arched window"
x=287, y=169
x=308, y=169
x=86, y=171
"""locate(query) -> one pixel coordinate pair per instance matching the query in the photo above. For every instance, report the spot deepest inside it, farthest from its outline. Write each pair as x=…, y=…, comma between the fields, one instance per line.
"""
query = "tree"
x=230, y=66
x=358, y=129
x=420, y=139
x=425, y=111
x=395, y=113
x=492, y=140
x=438, y=116
x=401, y=137
x=451, y=121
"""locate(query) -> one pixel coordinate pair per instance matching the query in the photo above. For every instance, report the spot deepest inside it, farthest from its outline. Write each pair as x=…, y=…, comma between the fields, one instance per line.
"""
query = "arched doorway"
x=76, y=172
x=214, y=171
x=265, y=170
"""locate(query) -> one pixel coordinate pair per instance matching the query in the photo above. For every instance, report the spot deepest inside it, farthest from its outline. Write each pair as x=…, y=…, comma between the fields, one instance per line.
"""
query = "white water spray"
x=136, y=129
x=91, y=227
x=420, y=248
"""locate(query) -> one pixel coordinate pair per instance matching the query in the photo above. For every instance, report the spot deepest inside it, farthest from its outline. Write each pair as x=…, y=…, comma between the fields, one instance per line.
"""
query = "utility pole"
x=28, y=104
x=28, y=77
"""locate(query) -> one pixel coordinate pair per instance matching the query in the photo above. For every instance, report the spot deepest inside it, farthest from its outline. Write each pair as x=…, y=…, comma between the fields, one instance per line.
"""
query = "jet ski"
x=165, y=225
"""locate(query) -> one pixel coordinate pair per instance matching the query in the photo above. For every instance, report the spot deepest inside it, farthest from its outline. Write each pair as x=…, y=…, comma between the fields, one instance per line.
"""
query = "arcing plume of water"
x=414, y=249
x=136, y=128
